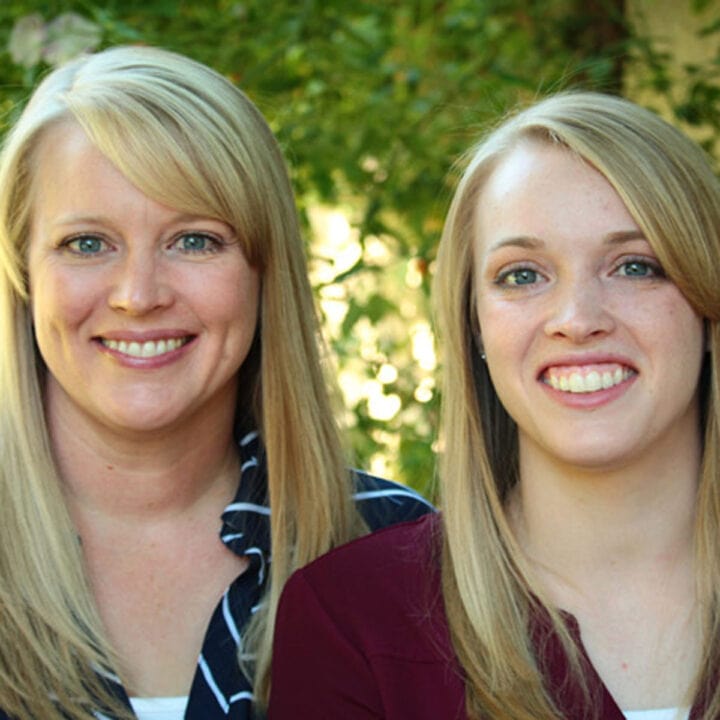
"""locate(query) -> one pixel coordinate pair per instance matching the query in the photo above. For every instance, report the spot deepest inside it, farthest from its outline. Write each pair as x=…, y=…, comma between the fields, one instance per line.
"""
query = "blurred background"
x=373, y=101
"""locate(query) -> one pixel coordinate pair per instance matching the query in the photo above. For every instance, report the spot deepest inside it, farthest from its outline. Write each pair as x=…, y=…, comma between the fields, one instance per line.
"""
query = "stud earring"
x=479, y=345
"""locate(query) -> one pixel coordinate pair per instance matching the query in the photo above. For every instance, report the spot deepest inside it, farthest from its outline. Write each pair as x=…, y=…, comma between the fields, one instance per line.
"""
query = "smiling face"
x=592, y=351
x=143, y=314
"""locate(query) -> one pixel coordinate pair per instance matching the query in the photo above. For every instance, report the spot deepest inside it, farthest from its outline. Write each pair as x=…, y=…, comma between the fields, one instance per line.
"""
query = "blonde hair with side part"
x=668, y=187
x=187, y=138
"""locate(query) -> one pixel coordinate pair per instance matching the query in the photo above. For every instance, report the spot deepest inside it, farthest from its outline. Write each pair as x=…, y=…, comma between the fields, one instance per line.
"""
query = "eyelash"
x=213, y=244
x=68, y=244
x=503, y=277
x=655, y=271
x=655, y=268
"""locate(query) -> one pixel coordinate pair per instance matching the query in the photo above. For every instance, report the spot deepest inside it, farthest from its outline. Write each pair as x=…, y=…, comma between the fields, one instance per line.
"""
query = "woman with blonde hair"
x=162, y=391
x=575, y=569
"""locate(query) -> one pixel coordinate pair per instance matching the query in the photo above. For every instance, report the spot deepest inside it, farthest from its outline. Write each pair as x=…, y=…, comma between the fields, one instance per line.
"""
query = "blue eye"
x=196, y=243
x=519, y=276
x=86, y=245
x=640, y=269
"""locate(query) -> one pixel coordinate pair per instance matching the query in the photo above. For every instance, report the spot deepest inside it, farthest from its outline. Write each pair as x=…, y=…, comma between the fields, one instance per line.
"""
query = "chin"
x=597, y=460
x=141, y=421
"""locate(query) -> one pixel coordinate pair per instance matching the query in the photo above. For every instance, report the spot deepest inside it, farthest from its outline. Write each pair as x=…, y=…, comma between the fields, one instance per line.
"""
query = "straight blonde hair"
x=669, y=188
x=190, y=139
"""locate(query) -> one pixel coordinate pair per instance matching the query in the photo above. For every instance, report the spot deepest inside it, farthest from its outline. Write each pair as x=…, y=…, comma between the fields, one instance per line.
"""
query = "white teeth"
x=577, y=383
x=586, y=383
x=148, y=349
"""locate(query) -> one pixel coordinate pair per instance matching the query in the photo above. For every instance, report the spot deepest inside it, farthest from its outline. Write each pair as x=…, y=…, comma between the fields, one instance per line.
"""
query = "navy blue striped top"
x=220, y=690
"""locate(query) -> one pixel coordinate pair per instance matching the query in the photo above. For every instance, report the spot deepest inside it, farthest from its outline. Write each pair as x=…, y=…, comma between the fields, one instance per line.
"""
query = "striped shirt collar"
x=220, y=690
x=246, y=520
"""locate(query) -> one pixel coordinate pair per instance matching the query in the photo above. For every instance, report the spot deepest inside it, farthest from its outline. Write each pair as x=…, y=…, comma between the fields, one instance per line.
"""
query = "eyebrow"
x=87, y=218
x=623, y=236
x=530, y=242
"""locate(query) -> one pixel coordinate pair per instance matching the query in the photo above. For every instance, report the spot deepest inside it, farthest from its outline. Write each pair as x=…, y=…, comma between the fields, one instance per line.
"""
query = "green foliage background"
x=373, y=101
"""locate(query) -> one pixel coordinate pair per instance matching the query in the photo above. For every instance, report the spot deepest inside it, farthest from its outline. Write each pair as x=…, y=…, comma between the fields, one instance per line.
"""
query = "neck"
x=145, y=475
x=588, y=524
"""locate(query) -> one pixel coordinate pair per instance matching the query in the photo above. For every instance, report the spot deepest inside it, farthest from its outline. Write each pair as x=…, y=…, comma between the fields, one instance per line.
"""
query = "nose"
x=139, y=286
x=579, y=312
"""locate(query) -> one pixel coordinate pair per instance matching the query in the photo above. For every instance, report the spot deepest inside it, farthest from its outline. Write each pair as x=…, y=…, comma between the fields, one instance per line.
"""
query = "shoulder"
x=361, y=632
x=415, y=544
x=383, y=589
x=382, y=502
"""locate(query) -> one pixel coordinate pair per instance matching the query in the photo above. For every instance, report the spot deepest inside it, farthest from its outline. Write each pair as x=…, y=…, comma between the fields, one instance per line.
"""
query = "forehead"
x=533, y=169
x=546, y=191
x=61, y=149
x=68, y=169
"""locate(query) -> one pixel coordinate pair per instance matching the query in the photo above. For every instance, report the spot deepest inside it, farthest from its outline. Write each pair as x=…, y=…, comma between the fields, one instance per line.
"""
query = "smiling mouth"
x=583, y=380
x=147, y=349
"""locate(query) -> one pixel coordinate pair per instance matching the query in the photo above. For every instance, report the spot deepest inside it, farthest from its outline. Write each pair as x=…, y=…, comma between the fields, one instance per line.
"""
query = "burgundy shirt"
x=361, y=634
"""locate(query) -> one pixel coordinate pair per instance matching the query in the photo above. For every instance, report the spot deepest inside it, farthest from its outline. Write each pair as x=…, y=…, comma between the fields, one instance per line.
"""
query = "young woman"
x=576, y=568
x=162, y=392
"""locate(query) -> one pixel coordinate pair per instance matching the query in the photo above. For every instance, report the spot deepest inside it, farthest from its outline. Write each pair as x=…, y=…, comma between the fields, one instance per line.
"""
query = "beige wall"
x=673, y=27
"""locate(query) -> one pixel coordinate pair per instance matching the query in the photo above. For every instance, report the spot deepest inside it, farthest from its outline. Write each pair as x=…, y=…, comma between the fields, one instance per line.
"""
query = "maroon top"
x=361, y=634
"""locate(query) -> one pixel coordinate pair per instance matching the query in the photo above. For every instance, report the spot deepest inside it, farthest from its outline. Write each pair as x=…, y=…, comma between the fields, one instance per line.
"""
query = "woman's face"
x=592, y=350
x=143, y=314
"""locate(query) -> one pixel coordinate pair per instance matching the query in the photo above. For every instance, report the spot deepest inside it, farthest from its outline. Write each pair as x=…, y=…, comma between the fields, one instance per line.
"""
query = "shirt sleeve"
x=317, y=672
x=383, y=503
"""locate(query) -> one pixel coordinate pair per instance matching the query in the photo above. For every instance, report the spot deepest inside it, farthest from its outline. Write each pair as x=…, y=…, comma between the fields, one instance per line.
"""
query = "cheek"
x=234, y=301
x=60, y=302
x=509, y=333
x=690, y=340
x=506, y=329
x=506, y=351
x=677, y=330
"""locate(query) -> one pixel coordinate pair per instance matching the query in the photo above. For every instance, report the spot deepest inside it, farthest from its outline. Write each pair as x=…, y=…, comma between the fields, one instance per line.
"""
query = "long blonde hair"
x=190, y=139
x=669, y=188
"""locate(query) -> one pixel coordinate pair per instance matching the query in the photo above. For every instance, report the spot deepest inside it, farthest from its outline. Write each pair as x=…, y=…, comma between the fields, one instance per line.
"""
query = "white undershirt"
x=666, y=714
x=160, y=708
x=173, y=708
